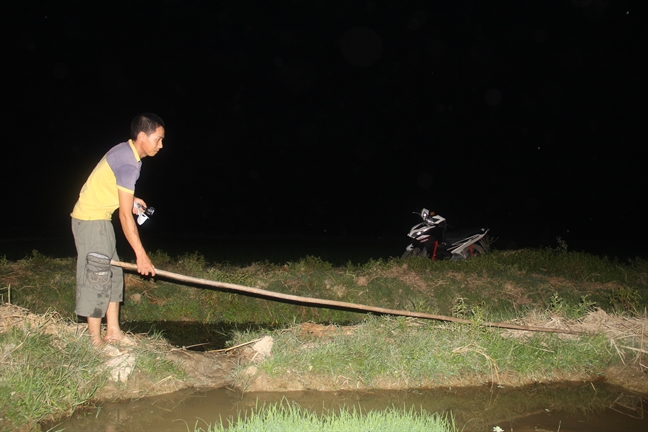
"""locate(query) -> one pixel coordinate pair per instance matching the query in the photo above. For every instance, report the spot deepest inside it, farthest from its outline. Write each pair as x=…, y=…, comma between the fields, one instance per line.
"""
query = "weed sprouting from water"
x=288, y=418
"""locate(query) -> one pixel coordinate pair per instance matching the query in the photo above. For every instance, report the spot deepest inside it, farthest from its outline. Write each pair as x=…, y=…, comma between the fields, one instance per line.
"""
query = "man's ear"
x=141, y=136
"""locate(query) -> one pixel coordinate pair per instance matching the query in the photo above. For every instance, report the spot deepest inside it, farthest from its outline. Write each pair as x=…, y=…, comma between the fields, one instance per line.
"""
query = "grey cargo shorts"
x=98, y=283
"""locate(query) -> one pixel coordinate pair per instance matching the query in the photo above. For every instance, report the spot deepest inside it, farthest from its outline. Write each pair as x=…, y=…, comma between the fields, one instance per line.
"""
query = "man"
x=111, y=185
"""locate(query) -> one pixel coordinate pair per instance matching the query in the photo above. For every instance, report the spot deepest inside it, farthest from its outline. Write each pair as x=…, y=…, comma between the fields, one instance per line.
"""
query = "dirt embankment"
x=218, y=368
x=631, y=373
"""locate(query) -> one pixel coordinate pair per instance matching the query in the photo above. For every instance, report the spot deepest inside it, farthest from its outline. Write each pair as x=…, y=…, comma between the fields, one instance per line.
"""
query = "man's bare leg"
x=94, y=329
x=113, y=332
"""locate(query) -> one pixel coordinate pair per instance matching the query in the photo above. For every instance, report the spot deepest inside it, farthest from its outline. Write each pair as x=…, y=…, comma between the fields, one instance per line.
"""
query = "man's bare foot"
x=123, y=341
x=97, y=342
x=113, y=336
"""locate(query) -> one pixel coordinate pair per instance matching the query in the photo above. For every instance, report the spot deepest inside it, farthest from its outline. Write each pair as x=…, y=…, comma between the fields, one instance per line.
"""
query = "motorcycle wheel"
x=415, y=252
x=477, y=250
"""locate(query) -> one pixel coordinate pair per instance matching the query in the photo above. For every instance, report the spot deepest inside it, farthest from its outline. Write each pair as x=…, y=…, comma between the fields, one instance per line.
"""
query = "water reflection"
x=583, y=407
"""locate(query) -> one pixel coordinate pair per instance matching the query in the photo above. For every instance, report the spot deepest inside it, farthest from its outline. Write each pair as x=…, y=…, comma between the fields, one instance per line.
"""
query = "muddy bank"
x=238, y=367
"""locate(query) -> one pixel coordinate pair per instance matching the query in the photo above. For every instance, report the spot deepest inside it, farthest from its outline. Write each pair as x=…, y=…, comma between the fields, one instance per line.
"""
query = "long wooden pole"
x=289, y=298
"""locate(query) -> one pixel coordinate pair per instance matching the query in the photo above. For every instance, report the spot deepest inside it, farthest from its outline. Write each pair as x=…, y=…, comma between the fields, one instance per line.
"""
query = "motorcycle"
x=431, y=238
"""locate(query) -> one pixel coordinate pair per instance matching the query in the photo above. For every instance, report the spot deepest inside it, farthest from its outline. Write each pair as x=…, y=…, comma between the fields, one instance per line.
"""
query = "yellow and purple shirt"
x=118, y=170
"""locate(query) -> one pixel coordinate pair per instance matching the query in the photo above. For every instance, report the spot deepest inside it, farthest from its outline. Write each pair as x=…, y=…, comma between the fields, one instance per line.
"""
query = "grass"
x=287, y=418
x=151, y=360
x=48, y=368
x=404, y=353
x=37, y=367
x=513, y=282
x=44, y=374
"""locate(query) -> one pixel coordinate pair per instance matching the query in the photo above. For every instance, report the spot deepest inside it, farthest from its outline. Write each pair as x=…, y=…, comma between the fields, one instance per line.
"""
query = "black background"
x=336, y=118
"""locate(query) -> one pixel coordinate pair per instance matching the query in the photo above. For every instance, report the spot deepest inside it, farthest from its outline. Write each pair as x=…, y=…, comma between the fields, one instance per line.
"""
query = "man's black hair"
x=147, y=123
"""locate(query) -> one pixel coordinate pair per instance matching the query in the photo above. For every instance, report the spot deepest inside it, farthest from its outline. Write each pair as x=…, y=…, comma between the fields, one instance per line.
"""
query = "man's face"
x=151, y=144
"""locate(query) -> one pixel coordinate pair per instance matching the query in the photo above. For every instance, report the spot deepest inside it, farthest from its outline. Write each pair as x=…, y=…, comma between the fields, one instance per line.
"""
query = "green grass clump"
x=288, y=418
x=48, y=368
x=45, y=375
x=151, y=361
x=412, y=354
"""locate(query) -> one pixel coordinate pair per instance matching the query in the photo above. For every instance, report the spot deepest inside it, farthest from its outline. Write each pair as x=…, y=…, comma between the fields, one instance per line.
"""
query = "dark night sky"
x=335, y=118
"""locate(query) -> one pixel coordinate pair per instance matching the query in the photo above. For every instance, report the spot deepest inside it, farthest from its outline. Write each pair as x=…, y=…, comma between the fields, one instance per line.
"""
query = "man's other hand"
x=145, y=266
x=139, y=201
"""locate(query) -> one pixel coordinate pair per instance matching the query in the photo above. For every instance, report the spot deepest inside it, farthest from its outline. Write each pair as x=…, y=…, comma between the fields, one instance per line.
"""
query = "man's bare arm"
x=126, y=202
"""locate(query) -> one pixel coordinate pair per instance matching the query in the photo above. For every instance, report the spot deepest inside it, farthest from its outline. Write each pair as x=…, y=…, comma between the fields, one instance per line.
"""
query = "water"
x=591, y=407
